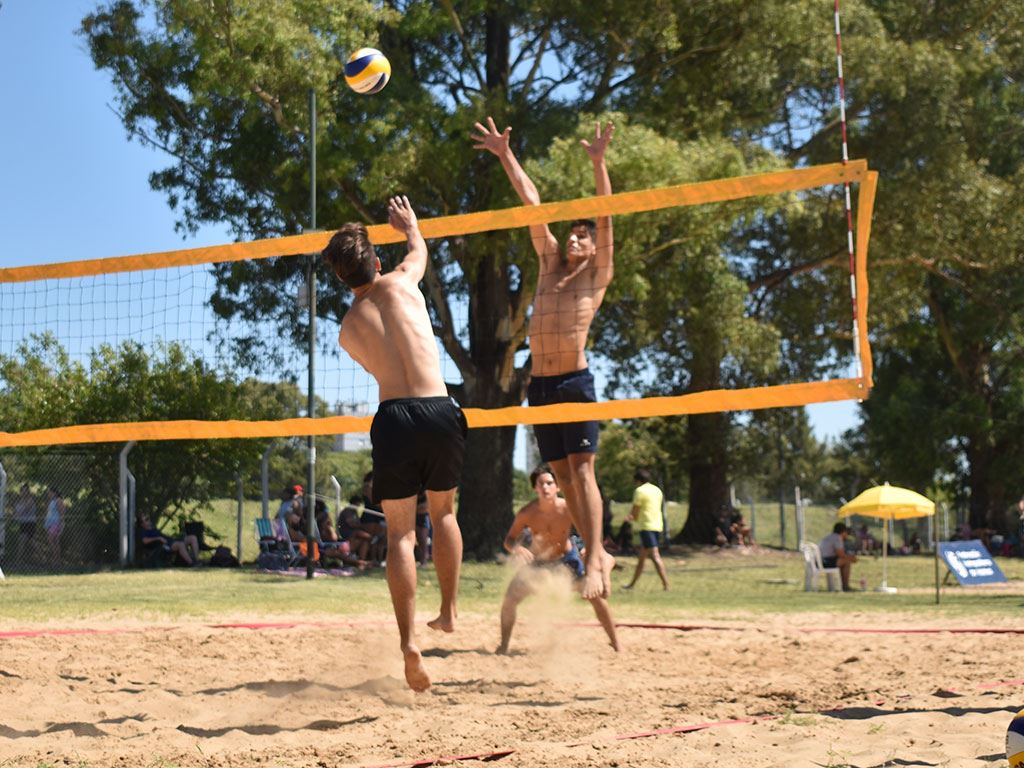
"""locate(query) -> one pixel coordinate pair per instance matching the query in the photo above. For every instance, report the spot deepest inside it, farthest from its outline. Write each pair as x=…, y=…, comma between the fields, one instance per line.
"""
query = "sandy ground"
x=196, y=695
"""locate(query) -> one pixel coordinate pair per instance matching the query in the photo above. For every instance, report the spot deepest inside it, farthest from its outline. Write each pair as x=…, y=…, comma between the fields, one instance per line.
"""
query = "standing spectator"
x=25, y=512
x=646, y=511
x=834, y=554
x=372, y=518
x=53, y=523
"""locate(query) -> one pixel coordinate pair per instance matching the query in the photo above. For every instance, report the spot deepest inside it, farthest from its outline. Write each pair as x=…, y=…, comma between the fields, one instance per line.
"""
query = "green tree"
x=940, y=104
x=126, y=383
x=221, y=87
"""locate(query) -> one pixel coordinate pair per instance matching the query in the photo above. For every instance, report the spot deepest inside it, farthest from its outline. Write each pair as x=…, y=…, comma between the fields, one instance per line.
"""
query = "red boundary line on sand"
x=832, y=630
x=488, y=756
x=170, y=627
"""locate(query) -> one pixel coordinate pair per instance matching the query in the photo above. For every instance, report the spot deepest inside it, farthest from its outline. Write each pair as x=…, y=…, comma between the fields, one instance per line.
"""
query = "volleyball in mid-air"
x=367, y=71
x=1015, y=741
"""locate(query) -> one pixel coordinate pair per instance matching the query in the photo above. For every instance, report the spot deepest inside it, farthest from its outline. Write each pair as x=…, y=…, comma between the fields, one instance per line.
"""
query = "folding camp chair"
x=277, y=548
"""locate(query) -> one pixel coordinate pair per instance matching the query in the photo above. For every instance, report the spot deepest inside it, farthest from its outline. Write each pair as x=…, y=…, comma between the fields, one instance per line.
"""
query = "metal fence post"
x=3, y=517
x=265, y=481
x=132, y=515
x=241, y=509
x=337, y=495
x=125, y=524
x=799, y=516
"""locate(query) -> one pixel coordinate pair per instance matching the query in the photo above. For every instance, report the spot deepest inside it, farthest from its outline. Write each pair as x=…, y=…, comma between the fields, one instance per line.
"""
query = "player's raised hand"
x=597, y=146
x=401, y=216
x=490, y=139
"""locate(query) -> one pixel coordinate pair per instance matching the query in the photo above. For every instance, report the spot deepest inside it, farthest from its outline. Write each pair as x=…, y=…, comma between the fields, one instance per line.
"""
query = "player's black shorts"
x=556, y=441
x=418, y=444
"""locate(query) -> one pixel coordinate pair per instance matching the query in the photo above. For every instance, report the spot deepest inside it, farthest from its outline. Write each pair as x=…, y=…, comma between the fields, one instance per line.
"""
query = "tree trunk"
x=485, y=497
x=709, y=485
x=979, y=460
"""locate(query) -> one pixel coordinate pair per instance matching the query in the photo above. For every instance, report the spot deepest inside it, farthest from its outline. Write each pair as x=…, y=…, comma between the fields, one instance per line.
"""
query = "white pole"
x=337, y=495
x=241, y=508
x=125, y=523
x=799, y=516
x=265, y=480
x=885, y=555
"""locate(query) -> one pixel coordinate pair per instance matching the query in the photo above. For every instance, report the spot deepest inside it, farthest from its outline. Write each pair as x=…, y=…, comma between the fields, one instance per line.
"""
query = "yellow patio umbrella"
x=888, y=502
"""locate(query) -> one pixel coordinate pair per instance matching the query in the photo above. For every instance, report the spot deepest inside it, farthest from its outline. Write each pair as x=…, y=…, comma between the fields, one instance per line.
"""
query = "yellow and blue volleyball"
x=1015, y=741
x=367, y=71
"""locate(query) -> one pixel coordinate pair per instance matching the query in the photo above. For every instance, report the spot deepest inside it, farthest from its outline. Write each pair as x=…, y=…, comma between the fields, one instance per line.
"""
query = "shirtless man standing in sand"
x=419, y=432
x=539, y=539
x=570, y=288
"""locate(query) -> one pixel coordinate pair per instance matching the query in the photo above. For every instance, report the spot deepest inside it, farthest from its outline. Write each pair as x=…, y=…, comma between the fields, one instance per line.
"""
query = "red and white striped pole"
x=846, y=194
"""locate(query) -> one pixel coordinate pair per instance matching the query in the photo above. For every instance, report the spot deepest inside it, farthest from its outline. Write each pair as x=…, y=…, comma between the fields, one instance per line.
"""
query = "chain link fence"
x=58, y=510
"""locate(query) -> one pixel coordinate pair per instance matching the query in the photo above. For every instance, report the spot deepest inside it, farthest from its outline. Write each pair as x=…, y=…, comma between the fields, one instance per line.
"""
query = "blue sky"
x=73, y=186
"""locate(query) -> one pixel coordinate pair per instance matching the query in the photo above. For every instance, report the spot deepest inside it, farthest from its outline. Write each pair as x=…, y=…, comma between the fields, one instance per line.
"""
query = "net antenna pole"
x=846, y=193
x=311, y=288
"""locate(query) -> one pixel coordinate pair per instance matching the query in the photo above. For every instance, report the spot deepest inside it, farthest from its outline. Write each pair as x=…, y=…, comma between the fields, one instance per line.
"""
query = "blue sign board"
x=970, y=562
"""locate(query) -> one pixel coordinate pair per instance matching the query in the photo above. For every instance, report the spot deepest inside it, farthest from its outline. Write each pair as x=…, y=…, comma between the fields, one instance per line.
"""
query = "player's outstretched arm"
x=489, y=139
x=605, y=243
x=402, y=217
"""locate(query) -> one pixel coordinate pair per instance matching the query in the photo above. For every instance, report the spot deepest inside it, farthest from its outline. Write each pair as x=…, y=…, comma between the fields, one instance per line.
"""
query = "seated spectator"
x=834, y=554
x=166, y=550
x=288, y=500
x=740, y=529
x=607, y=534
x=350, y=530
x=624, y=538
x=865, y=541
x=725, y=536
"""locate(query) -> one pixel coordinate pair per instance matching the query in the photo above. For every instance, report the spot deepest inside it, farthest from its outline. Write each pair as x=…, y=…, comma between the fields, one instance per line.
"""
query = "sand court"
x=195, y=694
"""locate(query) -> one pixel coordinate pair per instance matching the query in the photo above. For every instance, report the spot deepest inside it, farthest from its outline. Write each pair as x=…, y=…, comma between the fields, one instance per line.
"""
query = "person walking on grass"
x=646, y=513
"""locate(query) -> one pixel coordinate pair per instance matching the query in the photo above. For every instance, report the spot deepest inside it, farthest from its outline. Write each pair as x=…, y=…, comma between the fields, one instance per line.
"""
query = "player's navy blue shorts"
x=556, y=441
x=649, y=539
x=418, y=443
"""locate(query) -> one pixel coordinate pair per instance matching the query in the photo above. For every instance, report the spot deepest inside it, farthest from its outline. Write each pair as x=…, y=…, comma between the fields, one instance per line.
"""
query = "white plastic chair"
x=813, y=568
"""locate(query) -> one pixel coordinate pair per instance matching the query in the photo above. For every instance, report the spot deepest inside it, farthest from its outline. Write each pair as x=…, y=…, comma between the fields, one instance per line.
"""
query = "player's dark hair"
x=643, y=475
x=351, y=255
x=590, y=224
x=542, y=469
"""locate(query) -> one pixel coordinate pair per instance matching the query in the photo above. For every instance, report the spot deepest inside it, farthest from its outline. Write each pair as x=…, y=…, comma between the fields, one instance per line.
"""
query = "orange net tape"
x=785, y=395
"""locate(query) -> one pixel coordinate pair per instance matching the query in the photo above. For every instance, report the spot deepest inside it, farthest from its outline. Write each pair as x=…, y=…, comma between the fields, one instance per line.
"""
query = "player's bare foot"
x=501, y=650
x=593, y=584
x=415, y=674
x=442, y=624
x=608, y=565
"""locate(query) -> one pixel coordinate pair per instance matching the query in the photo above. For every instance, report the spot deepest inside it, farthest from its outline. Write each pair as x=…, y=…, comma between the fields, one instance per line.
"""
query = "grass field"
x=712, y=584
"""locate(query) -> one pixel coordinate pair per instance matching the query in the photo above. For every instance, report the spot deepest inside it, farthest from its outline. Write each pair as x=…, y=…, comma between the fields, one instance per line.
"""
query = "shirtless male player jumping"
x=570, y=288
x=419, y=432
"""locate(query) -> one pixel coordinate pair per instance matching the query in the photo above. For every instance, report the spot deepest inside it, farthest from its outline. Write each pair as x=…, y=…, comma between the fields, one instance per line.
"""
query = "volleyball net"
x=163, y=300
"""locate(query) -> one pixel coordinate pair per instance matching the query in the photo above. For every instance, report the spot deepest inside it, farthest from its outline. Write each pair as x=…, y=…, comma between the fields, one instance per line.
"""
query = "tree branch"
x=447, y=330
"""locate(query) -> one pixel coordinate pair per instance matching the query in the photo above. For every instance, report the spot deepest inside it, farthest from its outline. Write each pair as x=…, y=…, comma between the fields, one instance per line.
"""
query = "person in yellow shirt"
x=646, y=513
